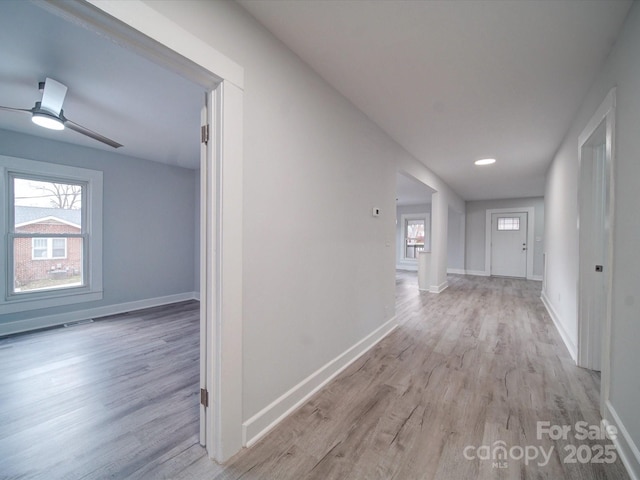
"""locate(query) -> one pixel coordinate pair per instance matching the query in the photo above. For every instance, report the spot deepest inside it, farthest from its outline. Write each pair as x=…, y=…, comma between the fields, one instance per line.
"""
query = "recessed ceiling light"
x=485, y=161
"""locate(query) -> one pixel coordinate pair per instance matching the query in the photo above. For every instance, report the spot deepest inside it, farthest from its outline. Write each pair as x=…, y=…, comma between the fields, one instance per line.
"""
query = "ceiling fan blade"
x=19, y=110
x=53, y=96
x=90, y=133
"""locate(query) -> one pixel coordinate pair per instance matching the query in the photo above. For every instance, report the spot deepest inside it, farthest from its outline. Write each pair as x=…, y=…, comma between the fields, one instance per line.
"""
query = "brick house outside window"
x=40, y=258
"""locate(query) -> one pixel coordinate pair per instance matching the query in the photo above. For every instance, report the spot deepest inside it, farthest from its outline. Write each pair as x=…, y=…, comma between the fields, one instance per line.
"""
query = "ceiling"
x=450, y=81
x=152, y=111
x=410, y=191
x=456, y=81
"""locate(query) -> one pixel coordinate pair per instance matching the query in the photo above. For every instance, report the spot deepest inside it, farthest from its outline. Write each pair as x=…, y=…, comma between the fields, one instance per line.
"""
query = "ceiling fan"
x=48, y=113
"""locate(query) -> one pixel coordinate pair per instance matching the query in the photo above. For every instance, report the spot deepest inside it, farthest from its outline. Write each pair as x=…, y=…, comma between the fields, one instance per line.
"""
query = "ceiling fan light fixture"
x=485, y=161
x=47, y=120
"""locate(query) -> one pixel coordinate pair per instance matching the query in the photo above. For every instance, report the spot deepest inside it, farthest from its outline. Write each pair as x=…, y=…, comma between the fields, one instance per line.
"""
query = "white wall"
x=622, y=69
x=318, y=268
x=456, y=242
x=148, y=236
x=401, y=263
x=476, y=231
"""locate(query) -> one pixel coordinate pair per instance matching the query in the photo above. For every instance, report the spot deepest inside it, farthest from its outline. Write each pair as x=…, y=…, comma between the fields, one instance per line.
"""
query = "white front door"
x=509, y=244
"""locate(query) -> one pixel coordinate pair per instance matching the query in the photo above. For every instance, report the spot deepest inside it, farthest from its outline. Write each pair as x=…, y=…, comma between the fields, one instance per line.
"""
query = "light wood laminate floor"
x=478, y=364
x=110, y=399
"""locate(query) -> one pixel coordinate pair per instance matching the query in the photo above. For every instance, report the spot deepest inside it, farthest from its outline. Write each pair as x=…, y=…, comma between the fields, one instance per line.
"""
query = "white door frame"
x=498, y=238
x=604, y=114
x=530, y=211
x=137, y=26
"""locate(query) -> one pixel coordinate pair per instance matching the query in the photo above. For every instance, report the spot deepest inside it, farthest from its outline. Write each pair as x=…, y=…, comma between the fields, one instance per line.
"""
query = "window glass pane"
x=508, y=223
x=58, y=247
x=47, y=263
x=40, y=247
x=414, y=238
x=47, y=207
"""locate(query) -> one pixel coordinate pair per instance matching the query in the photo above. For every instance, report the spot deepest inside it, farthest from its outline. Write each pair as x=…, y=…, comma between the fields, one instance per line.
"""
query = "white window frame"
x=508, y=224
x=426, y=217
x=48, y=248
x=91, y=289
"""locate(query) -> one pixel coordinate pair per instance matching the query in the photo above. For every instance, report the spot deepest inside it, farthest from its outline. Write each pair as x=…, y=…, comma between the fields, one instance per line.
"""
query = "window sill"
x=25, y=304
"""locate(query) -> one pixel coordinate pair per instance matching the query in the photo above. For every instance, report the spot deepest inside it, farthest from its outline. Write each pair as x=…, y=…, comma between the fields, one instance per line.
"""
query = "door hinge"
x=204, y=133
x=204, y=397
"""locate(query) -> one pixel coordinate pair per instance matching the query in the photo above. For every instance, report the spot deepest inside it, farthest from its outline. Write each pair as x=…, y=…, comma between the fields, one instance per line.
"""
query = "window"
x=508, y=223
x=49, y=214
x=58, y=247
x=52, y=242
x=413, y=232
x=414, y=237
x=48, y=248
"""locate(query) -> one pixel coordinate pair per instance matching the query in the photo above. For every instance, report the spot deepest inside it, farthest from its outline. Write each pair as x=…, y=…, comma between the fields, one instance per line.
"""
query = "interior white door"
x=509, y=244
x=593, y=245
x=204, y=120
x=207, y=276
x=598, y=280
x=595, y=249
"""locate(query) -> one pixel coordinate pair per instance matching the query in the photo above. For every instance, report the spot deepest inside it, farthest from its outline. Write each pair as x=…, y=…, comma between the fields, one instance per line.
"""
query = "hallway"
x=477, y=364
x=467, y=371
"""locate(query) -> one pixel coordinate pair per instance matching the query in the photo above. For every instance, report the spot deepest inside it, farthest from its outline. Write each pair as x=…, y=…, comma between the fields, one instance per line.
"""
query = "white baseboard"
x=481, y=273
x=457, y=271
x=571, y=346
x=407, y=268
x=438, y=288
x=627, y=449
x=262, y=422
x=477, y=273
x=20, y=326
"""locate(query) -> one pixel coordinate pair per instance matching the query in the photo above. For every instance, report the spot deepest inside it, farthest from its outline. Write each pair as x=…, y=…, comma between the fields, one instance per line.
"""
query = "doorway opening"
x=595, y=242
x=413, y=221
x=131, y=24
x=593, y=239
x=509, y=242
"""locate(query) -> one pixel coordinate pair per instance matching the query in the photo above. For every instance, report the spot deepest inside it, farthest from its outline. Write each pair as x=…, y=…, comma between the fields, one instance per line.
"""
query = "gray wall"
x=622, y=69
x=476, y=228
x=456, y=241
x=148, y=221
